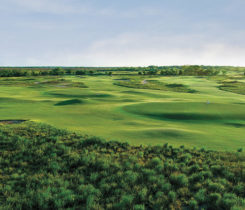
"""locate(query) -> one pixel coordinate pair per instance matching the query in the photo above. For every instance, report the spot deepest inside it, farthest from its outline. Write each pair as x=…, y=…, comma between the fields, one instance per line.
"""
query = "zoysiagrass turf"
x=139, y=116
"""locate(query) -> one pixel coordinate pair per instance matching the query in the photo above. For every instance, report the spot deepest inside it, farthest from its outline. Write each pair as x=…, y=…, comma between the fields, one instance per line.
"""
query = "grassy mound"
x=34, y=82
x=69, y=94
x=233, y=86
x=189, y=111
x=46, y=168
x=154, y=85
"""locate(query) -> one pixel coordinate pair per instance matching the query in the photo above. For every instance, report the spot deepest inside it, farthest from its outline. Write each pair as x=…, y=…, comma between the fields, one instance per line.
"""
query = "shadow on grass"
x=69, y=102
x=12, y=121
x=237, y=125
x=195, y=116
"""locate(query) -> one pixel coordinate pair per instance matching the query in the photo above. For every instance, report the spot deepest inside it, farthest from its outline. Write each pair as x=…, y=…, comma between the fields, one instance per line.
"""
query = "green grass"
x=233, y=86
x=200, y=112
x=145, y=83
x=138, y=116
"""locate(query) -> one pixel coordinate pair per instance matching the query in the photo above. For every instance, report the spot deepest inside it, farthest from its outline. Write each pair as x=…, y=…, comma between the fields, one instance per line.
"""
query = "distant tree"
x=224, y=72
x=80, y=72
x=57, y=71
x=69, y=71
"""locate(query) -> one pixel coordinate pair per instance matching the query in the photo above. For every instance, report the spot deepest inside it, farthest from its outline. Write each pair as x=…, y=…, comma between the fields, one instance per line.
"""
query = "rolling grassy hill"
x=95, y=105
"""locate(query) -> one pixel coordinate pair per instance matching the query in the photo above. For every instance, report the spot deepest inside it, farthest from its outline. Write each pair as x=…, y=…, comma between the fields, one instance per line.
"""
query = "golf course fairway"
x=209, y=117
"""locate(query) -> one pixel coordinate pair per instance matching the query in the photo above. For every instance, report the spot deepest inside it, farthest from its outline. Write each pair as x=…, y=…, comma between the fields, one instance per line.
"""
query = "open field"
x=208, y=116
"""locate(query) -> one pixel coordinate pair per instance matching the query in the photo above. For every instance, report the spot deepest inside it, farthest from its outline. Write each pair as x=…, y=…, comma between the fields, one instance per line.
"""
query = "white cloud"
x=140, y=50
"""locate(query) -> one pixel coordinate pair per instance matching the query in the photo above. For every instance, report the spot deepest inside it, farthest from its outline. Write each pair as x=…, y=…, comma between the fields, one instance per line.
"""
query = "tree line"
x=187, y=70
x=42, y=72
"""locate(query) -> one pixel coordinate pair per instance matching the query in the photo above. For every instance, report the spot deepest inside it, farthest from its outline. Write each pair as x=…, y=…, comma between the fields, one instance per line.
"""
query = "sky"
x=122, y=32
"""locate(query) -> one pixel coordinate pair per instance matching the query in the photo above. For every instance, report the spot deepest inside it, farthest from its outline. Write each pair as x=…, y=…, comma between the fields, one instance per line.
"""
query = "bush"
x=172, y=196
x=155, y=162
x=139, y=207
x=193, y=169
x=194, y=178
x=200, y=196
x=179, y=180
x=239, y=189
x=215, y=187
x=228, y=200
x=239, y=150
x=214, y=199
x=126, y=201
x=193, y=204
x=217, y=170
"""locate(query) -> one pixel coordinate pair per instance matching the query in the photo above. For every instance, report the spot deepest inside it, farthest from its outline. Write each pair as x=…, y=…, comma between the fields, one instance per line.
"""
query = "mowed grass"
x=138, y=116
x=198, y=112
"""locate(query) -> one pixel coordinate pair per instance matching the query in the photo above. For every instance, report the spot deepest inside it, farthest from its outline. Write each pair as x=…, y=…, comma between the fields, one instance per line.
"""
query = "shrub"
x=172, y=196
x=195, y=168
x=155, y=162
x=200, y=196
x=214, y=199
x=217, y=170
x=126, y=201
x=142, y=194
x=239, y=150
x=228, y=200
x=90, y=201
x=165, y=187
x=239, y=189
x=130, y=177
x=179, y=180
x=193, y=204
x=215, y=187
x=206, y=174
x=139, y=207
x=194, y=178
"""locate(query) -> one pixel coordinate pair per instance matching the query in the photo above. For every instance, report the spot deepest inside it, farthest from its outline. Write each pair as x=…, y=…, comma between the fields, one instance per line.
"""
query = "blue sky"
x=122, y=33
